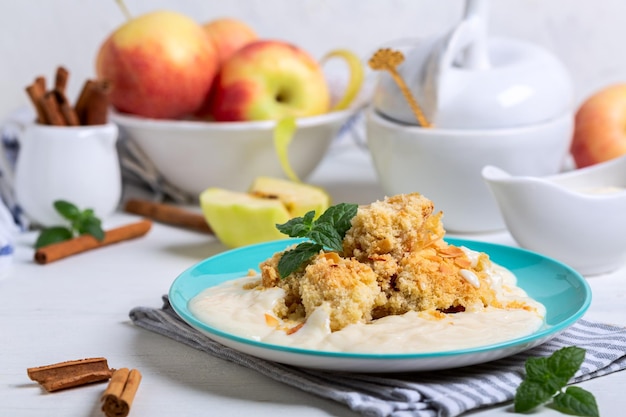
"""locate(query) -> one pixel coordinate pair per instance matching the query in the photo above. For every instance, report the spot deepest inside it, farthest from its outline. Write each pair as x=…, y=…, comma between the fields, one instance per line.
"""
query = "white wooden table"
x=78, y=307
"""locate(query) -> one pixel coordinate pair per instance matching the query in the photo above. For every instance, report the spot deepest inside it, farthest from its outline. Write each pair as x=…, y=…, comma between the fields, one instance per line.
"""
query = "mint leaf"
x=294, y=258
x=576, y=401
x=91, y=226
x=531, y=394
x=545, y=379
x=67, y=209
x=81, y=222
x=326, y=235
x=565, y=362
x=53, y=235
x=339, y=217
x=540, y=371
x=298, y=226
x=325, y=232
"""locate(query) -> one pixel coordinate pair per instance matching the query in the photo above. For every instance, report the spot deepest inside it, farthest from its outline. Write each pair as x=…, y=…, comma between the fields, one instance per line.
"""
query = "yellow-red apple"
x=599, y=127
x=228, y=35
x=160, y=65
x=269, y=80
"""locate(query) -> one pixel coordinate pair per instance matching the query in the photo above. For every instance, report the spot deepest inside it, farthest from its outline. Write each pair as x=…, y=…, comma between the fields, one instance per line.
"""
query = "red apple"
x=160, y=64
x=269, y=80
x=228, y=35
x=599, y=127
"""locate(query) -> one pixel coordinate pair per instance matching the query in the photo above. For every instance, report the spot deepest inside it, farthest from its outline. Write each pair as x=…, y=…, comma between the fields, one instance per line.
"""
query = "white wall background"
x=38, y=35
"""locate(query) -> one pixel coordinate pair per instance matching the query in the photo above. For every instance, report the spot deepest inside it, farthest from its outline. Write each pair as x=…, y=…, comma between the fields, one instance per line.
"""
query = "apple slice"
x=297, y=198
x=240, y=219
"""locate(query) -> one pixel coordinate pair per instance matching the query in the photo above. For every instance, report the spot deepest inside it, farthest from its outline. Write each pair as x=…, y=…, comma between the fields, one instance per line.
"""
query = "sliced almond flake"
x=332, y=256
x=271, y=320
x=294, y=329
x=470, y=277
x=463, y=262
x=451, y=251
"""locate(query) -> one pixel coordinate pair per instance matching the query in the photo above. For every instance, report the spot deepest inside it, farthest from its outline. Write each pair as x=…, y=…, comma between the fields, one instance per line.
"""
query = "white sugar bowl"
x=445, y=164
x=464, y=79
x=490, y=102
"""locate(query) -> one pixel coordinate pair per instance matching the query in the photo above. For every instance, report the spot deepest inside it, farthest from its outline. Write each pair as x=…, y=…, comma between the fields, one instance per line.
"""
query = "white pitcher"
x=78, y=164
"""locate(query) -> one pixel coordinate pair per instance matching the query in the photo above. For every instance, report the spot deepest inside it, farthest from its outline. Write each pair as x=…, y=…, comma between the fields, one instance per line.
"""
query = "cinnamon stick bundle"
x=120, y=393
x=70, y=374
x=53, y=107
x=169, y=214
x=60, y=250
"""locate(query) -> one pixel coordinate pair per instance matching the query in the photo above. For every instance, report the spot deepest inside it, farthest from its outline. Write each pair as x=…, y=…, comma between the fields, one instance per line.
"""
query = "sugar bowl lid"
x=464, y=80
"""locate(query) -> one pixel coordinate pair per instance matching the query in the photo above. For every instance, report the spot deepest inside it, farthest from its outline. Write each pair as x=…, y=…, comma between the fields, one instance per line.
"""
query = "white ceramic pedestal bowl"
x=194, y=155
x=577, y=217
x=445, y=164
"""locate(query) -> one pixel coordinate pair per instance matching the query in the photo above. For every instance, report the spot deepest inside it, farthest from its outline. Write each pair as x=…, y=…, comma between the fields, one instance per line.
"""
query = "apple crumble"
x=394, y=260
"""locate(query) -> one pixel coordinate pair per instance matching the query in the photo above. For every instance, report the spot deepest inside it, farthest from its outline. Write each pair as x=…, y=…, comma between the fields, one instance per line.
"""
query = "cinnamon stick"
x=67, y=111
x=35, y=92
x=83, y=243
x=70, y=374
x=83, y=99
x=169, y=214
x=50, y=107
x=92, y=105
x=60, y=80
x=41, y=83
x=120, y=393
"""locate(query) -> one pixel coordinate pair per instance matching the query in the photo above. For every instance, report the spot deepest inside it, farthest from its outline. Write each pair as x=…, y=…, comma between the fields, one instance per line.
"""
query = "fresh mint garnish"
x=81, y=222
x=576, y=401
x=326, y=232
x=545, y=380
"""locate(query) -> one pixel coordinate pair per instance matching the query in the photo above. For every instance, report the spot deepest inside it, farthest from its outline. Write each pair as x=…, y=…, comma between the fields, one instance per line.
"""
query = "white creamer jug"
x=78, y=164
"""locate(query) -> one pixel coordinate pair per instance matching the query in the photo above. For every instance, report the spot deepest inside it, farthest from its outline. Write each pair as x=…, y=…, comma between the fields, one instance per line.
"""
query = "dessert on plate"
x=394, y=270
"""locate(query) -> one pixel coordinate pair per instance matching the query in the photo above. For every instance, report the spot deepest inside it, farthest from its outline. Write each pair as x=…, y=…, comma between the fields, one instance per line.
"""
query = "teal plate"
x=564, y=292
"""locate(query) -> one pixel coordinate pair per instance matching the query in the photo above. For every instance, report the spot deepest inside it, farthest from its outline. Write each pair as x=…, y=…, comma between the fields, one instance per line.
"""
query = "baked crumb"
x=394, y=260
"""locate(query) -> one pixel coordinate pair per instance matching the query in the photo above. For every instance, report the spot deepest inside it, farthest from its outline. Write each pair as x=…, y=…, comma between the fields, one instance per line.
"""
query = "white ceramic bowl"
x=195, y=155
x=577, y=217
x=445, y=164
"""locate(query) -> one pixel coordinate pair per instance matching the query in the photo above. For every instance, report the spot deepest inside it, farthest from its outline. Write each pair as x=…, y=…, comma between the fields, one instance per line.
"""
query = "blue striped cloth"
x=446, y=393
x=12, y=219
x=9, y=148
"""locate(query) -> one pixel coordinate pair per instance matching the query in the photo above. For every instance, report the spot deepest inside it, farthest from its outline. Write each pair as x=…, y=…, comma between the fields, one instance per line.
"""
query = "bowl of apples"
x=215, y=106
x=194, y=155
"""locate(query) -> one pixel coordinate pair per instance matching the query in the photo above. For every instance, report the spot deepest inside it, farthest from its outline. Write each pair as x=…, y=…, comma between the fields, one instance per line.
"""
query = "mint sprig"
x=327, y=232
x=545, y=380
x=81, y=222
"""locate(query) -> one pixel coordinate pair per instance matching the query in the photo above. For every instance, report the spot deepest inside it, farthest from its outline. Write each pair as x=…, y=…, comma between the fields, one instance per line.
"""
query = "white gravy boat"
x=463, y=80
x=577, y=217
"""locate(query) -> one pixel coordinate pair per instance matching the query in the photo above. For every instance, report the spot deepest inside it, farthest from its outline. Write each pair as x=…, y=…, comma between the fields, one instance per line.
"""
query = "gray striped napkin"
x=425, y=394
